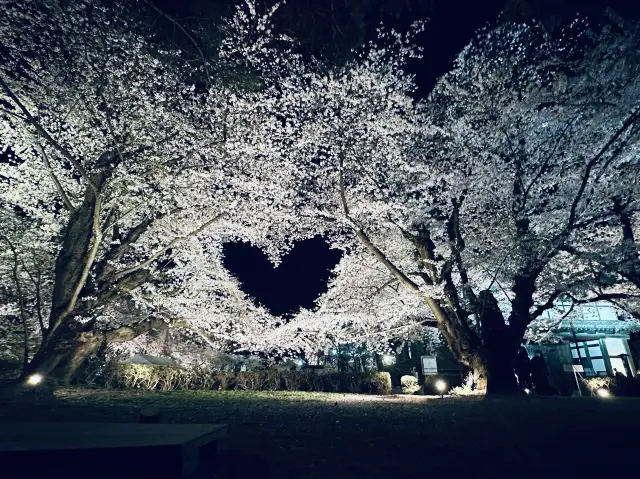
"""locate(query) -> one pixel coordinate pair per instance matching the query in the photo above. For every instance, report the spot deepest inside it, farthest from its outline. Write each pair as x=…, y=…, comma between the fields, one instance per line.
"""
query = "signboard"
x=429, y=365
x=574, y=368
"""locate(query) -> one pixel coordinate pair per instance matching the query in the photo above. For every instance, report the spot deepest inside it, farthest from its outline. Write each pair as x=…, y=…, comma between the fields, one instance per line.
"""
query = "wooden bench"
x=114, y=450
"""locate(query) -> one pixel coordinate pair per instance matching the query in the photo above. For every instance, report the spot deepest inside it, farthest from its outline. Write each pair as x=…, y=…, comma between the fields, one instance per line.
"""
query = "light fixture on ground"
x=441, y=386
x=388, y=359
x=34, y=379
x=603, y=393
x=527, y=391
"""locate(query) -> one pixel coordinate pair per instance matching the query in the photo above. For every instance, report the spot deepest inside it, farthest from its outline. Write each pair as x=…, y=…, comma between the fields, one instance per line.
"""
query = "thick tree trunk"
x=85, y=345
x=72, y=343
x=500, y=365
x=501, y=348
x=467, y=348
x=60, y=343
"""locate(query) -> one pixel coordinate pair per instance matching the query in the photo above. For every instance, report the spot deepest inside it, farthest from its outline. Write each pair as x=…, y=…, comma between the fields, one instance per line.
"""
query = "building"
x=593, y=336
x=149, y=360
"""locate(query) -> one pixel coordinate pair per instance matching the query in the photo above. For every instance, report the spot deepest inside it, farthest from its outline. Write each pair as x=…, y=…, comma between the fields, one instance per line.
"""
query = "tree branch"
x=90, y=259
x=590, y=165
x=187, y=34
x=171, y=244
x=33, y=122
x=362, y=236
x=61, y=192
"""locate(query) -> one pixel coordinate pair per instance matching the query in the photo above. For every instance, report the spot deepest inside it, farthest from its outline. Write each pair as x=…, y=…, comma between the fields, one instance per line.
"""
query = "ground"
x=320, y=435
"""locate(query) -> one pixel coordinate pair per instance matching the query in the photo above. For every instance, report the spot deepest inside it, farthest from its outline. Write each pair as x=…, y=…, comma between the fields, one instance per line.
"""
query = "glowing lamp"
x=603, y=393
x=527, y=391
x=388, y=360
x=34, y=379
x=441, y=386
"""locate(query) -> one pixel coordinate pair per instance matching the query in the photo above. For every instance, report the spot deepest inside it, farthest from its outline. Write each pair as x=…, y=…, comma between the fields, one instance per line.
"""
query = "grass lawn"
x=320, y=435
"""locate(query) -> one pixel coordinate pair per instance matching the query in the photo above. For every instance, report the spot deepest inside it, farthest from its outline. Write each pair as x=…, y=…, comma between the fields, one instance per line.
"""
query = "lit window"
x=607, y=313
x=615, y=346
x=598, y=366
x=618, y=365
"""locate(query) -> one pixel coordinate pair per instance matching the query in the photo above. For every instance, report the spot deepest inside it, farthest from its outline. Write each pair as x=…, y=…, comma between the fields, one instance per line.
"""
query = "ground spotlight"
x=441, y=386
x=34, y=379
x=527, y=391
x=603, y=393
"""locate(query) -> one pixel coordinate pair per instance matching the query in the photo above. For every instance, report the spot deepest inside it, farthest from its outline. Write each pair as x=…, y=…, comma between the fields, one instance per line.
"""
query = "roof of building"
x=150, y=360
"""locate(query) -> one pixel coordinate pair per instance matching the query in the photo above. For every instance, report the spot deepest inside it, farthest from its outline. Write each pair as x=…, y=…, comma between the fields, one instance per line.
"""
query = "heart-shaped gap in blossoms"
x=297, y=282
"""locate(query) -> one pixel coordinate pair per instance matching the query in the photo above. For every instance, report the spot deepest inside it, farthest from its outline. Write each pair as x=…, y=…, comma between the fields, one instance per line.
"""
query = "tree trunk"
x=85, y=345
x=379, y=363
x=501, y=349
x=466, y=350
x=60, y=343
x=500, y=366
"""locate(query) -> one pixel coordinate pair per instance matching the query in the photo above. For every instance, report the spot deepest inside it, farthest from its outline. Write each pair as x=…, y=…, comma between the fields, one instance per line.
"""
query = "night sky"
x=297, y=282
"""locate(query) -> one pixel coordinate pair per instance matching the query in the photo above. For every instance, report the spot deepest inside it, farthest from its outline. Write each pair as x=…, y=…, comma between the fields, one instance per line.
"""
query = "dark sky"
x=297, y=282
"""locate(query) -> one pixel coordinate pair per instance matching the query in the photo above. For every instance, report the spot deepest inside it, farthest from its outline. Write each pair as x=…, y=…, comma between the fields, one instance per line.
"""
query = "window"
x=607, y=313
x=589, y=312
x=574, y=352
x=598, y=366
x=617, y=364
x=615, y=346
x=591, y=357
x=595, y=351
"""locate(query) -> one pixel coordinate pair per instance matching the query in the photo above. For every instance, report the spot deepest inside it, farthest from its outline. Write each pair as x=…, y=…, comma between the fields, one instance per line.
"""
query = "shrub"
x=380, y=383
x=291, y=380
x=468, y=388
x=169, y=378
x=596, y=383
x=619, y=386
x=409, y=384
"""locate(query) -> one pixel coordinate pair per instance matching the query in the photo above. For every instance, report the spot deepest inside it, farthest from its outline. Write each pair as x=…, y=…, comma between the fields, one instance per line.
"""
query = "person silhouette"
x=523, y=369
x=540, y=374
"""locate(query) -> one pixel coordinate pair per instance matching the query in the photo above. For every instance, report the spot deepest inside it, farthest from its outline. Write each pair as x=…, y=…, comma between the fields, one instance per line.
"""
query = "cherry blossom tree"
x=518, y=156
x=25, y=267
x=129, y=175
x=362, y=306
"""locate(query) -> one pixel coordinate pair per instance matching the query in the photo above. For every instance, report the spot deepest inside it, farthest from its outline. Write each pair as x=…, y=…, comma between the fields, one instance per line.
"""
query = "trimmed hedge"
x=168, y=378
